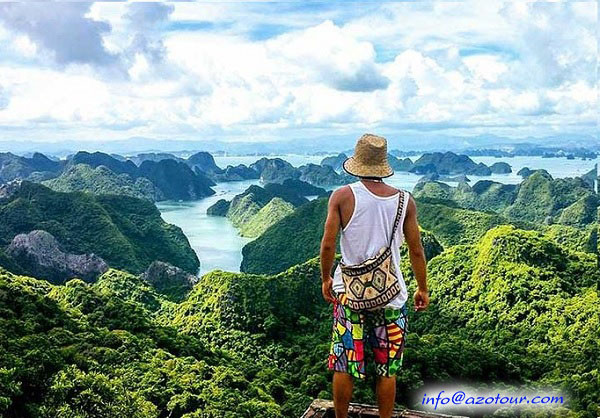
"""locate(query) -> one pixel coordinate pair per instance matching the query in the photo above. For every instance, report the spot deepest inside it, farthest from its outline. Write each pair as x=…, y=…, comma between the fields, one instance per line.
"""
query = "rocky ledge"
x=40, y=255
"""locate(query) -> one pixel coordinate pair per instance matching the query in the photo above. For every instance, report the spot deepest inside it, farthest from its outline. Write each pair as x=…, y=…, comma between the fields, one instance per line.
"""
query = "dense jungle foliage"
x=449, y=223
x=513, y=307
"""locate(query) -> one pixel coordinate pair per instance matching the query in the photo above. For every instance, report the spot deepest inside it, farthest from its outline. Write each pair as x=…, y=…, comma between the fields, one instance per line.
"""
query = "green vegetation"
x=128, y=233
x=245, y=206
x=172, y=179
x=485, y=195
x=294, y=191
x=528, y=299
x=274, y=251
x=219, y=208
x=95, y=351
x=538, y=198
x=336, y=161
x=576, y=239
x=101, y=180
x=13, y=167
x=269, y=214
x=583, y=212
x=323, y=175
x=274, y=170
x=541, y=197
x=455, y=225
x=257, y=208
x=96, y=159
x=176, y=180
x=500, y=168
x=510, y=306
x=515, y=307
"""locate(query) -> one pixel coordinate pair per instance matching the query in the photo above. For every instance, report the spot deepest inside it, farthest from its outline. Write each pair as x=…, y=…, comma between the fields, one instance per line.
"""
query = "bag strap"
x=398, y=215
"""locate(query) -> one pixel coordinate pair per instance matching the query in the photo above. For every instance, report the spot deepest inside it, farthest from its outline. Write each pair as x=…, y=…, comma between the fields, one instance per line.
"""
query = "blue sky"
x=259, y=71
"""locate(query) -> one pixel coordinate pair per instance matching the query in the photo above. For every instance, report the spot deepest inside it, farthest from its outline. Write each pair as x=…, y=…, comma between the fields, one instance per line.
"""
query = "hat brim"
x=354, y=168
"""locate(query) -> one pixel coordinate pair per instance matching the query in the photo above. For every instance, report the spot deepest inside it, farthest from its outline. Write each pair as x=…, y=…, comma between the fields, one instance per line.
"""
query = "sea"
x=219, y=246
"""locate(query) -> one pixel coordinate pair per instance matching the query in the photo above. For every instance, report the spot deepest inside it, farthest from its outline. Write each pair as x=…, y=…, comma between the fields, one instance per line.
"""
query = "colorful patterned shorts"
x=383, y=330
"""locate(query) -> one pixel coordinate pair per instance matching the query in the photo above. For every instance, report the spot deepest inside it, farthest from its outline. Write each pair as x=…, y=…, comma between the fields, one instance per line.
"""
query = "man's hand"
x=421, y=300
x=327, y=289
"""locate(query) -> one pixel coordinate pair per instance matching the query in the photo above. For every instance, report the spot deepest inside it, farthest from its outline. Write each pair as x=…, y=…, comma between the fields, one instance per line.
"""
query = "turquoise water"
x=214, y=239
x=557, y=167
x=219, y=246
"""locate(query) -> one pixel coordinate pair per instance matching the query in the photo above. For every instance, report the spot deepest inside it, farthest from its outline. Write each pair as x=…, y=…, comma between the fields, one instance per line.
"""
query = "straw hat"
x=370, y=158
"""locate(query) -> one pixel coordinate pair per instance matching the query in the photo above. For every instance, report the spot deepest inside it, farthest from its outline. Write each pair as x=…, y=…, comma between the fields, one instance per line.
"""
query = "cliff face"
x=39, y=255
x=323, y=175
x=335, y=162
x=204, y=162
x=236, y=173
x=274, y=170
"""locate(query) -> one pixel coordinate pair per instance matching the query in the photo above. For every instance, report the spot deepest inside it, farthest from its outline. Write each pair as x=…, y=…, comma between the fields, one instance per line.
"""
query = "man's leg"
x=386, y=395
x=342, y=393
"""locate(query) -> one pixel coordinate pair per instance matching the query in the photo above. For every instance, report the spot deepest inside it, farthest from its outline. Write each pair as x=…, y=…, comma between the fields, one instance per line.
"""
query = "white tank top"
x=368, y=230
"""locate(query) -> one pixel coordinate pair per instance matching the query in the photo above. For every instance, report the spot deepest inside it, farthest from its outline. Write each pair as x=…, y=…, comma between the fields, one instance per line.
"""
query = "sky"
x=264, y=71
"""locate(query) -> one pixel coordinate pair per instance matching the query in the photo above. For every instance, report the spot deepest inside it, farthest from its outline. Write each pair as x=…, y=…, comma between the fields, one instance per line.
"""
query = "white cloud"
x=241, y=71
x=487, y=68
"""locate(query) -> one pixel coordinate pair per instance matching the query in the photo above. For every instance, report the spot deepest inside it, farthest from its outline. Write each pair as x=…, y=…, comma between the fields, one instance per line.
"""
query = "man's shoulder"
x=340, y=195
x=342, y=192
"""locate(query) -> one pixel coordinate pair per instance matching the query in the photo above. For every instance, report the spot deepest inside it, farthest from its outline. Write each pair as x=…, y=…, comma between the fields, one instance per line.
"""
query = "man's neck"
x=372, y=180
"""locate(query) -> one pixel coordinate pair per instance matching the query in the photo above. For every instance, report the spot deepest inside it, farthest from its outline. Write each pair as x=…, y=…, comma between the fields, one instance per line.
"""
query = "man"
x=365, y=212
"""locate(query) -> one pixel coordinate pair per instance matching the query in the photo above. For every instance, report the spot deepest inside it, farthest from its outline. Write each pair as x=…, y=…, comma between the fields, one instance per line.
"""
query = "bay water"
x=219, y=245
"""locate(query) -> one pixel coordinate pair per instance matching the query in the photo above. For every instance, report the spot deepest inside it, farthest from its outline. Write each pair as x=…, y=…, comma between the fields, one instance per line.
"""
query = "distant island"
x=101, y=173
x=257, y=208
x=538, y=198
x=446, y=163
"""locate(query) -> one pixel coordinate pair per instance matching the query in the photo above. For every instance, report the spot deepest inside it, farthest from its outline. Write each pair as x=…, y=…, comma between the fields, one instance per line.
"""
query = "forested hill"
x=102, y=180
x=538, y=198
x=168, y=178
x=513, y=307
x=128, y=233
x=274, y=251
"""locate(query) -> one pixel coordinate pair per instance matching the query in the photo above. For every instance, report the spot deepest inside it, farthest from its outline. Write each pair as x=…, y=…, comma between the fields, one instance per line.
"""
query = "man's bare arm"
x=417, y=254
x=328, y=244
